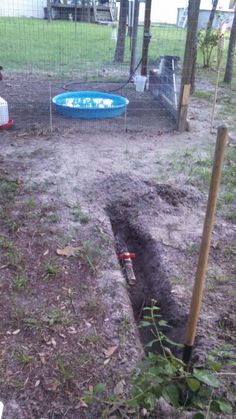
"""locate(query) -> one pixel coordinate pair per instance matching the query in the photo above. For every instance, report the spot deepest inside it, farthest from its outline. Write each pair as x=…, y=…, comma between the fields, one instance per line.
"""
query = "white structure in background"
x=162, y=11
x=167, y=12
x=23, y=8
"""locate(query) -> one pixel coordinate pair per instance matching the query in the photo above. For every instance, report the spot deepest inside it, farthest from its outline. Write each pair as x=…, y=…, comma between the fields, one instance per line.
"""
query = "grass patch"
x=203, y=95
x=8, y=190
x=33, y=44
x=79, y=215
x=10, y=256
x=51, y=270
x=20, y=283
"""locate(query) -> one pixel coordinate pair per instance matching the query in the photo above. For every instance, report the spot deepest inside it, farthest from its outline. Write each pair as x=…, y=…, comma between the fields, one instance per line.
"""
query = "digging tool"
x=195, y=307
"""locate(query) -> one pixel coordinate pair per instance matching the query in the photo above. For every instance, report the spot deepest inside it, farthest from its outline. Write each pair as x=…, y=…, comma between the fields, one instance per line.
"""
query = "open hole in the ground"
x=149, y=281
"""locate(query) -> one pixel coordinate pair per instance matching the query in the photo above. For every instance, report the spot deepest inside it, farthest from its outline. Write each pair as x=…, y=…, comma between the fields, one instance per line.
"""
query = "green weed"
x=24, y=358
x=20, y=283
x=30, y=203
x=203, y=95
x=8, y=190
x=56, y=316
x=64, y=369
x=91, y=254
x=51, y=270
x=163, y=375
x=79, y=215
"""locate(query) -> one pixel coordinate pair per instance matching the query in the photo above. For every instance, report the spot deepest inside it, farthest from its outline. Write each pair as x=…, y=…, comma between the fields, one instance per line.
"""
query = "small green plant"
x=91, y=254
x=24, y=358
x=192, y=249
x=231, y=216
x=8, y=190
x=54, y=218
x=125, y=325
x=207, y=41
x=51, y=269
x=203, y=95
x=11, y=255
x=56, y=316
x=79, y=215
x=20, y=282
x=64, y=368
x=5, y=243
x=164, y=375
x=30, y=203
x=32, y=323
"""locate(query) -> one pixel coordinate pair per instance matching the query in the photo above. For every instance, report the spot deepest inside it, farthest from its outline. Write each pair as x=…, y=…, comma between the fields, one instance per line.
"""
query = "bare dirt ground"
x=68, y=320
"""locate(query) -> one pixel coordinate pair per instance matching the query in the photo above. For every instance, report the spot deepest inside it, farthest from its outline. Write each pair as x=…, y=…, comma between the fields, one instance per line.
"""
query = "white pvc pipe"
x=1, y=409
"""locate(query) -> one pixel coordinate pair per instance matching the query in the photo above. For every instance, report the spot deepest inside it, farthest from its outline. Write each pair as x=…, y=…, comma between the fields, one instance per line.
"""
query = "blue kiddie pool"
x=90, y=105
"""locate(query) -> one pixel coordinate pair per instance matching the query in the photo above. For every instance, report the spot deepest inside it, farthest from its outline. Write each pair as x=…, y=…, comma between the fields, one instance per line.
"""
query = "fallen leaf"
x=15, y=332
x=72, y=330
x=55, y=386
x=53, y=342
x=37, y=383
x=42, y=358
x=19, y=181
x=62, y=336
x=3, y=266
x=119, y=388
x=68, y=251
x=106, y=361
x=81, y=404
x=110, y=351
x=26, y=381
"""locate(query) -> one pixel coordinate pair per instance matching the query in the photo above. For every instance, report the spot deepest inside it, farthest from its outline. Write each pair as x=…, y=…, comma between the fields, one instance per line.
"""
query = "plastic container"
x=140, y=82
x=90, y=105
x=4, y=115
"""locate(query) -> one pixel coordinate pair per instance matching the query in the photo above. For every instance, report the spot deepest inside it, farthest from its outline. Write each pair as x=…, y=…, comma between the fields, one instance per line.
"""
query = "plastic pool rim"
x=93, y=112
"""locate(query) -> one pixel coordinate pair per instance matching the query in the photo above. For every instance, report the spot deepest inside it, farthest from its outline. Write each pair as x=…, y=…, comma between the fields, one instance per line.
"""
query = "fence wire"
x=39, y=56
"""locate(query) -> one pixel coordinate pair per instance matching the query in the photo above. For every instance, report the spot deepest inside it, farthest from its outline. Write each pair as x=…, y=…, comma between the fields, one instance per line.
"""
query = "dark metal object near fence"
x=163, y=83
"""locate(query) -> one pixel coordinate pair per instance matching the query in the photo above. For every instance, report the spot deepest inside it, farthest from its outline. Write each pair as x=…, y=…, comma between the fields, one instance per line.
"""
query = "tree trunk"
x=194, y=67
x=212, y=14
x=120, y=45
x=146, y=37
x=193, y=13
x=49, y=10
x=134, y=50
x=231, y=50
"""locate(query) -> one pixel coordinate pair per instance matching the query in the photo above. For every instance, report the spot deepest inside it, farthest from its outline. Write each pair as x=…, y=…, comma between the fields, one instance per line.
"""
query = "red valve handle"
x=126, y=256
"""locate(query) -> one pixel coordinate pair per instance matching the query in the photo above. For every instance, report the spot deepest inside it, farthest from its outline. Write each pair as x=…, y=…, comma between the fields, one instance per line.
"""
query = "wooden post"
x=193, y=13
x=133, y=62
x=220, y=52
x=196, y=301
x=146, y=37
x=95, y=11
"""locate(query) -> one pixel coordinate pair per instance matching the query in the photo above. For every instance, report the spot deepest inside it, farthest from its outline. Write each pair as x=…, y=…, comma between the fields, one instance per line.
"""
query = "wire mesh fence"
x=76, y=49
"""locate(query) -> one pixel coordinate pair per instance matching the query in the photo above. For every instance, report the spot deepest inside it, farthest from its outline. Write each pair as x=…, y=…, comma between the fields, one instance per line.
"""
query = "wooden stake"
x=196, y=301
x=219, y=59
